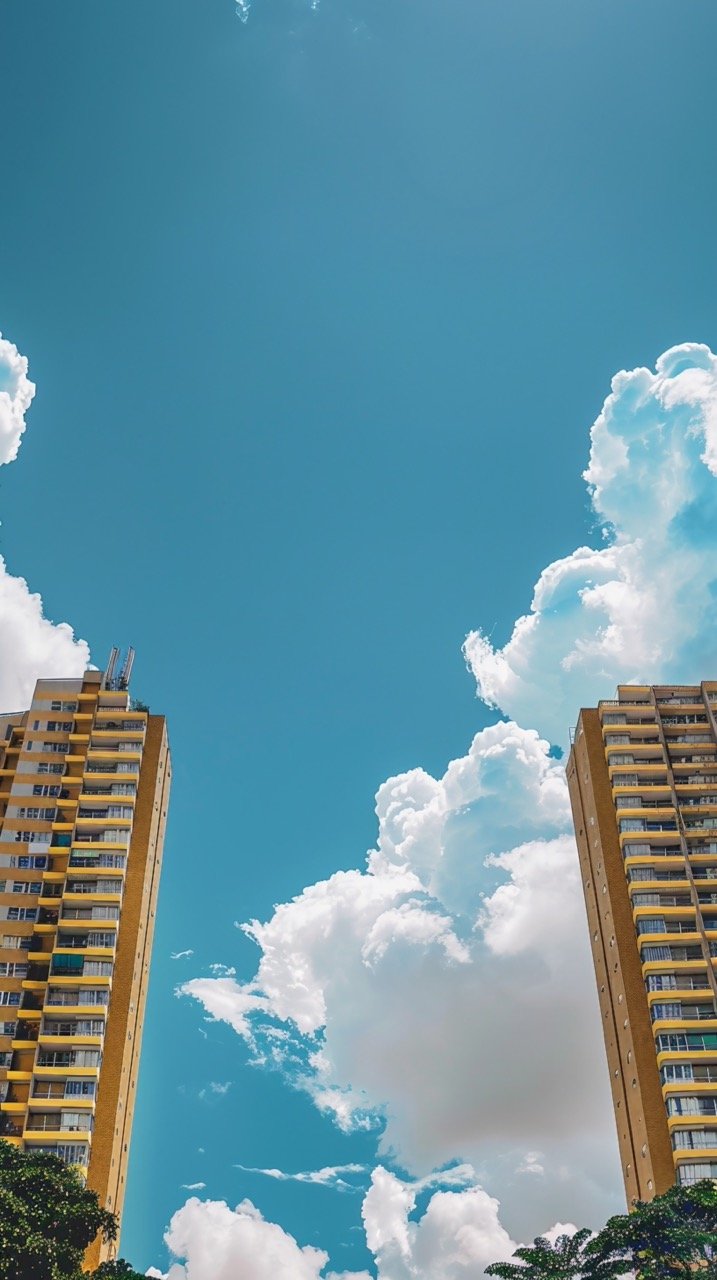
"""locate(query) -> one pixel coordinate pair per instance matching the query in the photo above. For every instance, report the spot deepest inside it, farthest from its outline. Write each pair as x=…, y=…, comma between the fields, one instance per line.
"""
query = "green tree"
x=119, y=1270
x=48, y=1217
x=672, y=1236
x=564, y=1260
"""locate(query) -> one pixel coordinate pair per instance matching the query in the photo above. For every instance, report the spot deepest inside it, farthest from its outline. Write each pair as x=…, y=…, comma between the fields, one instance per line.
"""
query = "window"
x=14, y=942
x=56, y=748
x=661, y=982
x=632, y=824
x=681, y=1043
x=656, y=953
x=76, y=1120
x=12, y=969
x=67, y=964
x=79, y=1088
x=45, y=789
x=646, y=900
x=677, y=1071
x=694, y=1138
x=26, y=886
x=689, y=1173
x=689, y=1106
x=8, y=1028
x=50, y=768
x=100, y=939
x=9, y=997
x=69, y=1152
x=670, y=1011
x=21, y=913
x=652, y=925
x=59, y=726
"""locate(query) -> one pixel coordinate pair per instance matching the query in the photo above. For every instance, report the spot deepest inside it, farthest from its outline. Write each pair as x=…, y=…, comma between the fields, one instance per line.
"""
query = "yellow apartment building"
x=84, y=789
x=642, y=775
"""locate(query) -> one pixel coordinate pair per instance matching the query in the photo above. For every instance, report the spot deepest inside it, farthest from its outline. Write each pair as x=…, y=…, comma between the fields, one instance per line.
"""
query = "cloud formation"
x=455, y=1236
x=30, y=645
x=421, y=988
x=333, y=1176
x=215, y=1242
x=640, y=607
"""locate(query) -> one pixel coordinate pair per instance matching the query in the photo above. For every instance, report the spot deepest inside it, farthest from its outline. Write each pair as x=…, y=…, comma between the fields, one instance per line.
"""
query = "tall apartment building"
x=642, y=775
x=84, y=786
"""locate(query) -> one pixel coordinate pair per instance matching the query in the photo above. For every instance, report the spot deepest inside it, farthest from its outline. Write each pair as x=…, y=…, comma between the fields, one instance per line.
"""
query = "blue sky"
x=320, y=308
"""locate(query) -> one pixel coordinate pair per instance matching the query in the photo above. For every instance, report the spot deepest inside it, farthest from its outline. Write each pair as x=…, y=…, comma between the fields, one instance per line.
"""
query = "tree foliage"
x=673, y=1237
x=48, y=1217
x=563, y=1260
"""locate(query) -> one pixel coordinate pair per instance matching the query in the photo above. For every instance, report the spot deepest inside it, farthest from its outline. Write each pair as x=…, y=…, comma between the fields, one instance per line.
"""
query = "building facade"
x=642, y=775
x=84, y=788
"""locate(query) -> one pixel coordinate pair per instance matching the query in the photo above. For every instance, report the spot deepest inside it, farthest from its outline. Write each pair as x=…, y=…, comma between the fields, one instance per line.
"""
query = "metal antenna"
x=126, y=671
x=110, y=669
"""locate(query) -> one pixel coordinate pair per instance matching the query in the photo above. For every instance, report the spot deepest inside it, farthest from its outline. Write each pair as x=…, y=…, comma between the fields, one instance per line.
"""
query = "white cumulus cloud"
x=458, y=1235
x=215, y=1242
x=640, y=607
x=30, y=644
x=437, y=1017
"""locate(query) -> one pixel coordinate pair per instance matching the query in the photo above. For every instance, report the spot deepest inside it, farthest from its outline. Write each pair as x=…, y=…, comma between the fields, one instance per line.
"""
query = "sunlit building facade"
x=84, y=788
x=642, y=775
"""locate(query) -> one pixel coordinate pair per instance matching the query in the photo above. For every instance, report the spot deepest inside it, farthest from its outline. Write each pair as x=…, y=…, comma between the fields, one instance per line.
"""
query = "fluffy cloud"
x=218, y=1243
x=640, y=607
x=436, y=1016
x=16, y=395
x=455, y=1237
x=30, y=645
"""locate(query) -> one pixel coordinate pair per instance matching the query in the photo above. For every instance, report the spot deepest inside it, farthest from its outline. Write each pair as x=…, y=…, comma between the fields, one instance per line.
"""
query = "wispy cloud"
x=330, y=1176
x=531, y=1164
x=181, y=955
x=217, y=1088
x=193, y=1186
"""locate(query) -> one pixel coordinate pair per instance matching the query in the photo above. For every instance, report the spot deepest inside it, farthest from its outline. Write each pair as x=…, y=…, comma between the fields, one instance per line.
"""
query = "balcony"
x=684, y=1013
x=117, y=861
x=695, y=718
x=54, y=1123
x=108, y=914
x=85, y=1062
x=85, y=1027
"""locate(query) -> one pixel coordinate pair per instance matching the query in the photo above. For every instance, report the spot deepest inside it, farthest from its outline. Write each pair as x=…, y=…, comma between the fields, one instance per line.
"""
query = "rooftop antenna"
x=126, y=671
x=110, y=670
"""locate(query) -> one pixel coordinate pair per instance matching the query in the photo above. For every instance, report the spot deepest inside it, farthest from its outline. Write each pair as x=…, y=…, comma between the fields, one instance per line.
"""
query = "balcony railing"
x=80, y=1027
